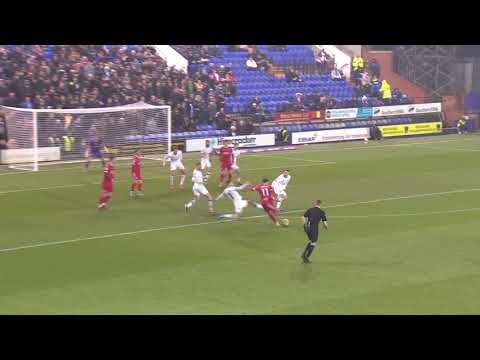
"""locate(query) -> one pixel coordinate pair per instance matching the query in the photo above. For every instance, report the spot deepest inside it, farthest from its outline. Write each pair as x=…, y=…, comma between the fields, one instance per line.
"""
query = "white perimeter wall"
x=342, y=60
x=172, y=57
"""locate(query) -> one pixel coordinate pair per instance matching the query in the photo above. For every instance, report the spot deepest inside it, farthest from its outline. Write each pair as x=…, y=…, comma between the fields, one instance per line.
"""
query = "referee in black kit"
x=311, y=219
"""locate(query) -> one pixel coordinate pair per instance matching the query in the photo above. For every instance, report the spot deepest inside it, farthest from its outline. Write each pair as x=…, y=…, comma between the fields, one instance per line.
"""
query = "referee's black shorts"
x=312, y=232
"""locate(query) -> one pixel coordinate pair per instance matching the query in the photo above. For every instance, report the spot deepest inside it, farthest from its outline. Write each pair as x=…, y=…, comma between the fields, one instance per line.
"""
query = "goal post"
x=39, y=136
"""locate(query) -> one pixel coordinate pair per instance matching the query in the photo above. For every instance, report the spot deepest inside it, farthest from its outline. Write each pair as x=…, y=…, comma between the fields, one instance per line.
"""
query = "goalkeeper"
x=94, y=148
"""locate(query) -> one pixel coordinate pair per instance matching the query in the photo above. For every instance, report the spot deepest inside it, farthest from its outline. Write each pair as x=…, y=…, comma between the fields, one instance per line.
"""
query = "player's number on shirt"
x=265, y=192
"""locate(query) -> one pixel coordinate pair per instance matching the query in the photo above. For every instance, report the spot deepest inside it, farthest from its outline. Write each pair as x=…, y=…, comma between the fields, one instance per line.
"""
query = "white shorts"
x=199, y=189
x=176, y=165
x=235, y=167
x=205, y=163
x=279, y=191
x=240, y=205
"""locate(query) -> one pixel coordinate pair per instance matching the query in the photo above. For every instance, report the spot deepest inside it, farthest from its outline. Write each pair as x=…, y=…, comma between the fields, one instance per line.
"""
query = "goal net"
x=48, y=135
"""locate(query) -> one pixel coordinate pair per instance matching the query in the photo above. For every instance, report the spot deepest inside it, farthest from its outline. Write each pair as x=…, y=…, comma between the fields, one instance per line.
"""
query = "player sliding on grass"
x=280, y=185
x=199, y=189
x=267, y=196
x=239, y=204
x=107, y=184
x=137, y=180
x=225, y=154
x=175, y=157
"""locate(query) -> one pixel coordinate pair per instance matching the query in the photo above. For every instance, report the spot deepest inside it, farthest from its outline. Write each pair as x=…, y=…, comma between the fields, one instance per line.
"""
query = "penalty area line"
x=107, y=236
x=153, y=178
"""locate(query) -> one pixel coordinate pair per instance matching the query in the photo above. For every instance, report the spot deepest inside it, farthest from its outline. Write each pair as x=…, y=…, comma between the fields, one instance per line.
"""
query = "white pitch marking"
x=296, y=158
x=151, y=178
x=369, y=147
x=219, y=222
x=407, y=214
x=447, y=149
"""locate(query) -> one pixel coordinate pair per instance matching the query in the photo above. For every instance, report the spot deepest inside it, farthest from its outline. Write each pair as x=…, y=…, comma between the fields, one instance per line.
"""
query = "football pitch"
x=403, y=237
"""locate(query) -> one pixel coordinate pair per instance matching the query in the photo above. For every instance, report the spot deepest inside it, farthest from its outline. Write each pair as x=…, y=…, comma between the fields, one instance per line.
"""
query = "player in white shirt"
x=175, y=157
x=236, y=167
x=205, y=159
x=280, y=185
x=199, y=189
x=231, y=192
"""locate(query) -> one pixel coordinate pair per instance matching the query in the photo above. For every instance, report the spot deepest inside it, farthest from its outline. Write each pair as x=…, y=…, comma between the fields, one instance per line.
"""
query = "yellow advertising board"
x=411, y=129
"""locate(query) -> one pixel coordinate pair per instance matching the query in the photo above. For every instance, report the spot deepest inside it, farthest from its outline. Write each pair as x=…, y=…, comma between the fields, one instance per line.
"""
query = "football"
x=285, y=222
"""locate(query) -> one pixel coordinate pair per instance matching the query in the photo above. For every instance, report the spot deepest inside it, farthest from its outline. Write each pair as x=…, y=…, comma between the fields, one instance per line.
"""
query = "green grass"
x=402, y=254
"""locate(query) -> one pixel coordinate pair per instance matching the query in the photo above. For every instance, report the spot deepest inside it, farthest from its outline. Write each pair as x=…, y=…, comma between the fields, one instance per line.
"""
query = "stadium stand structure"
x=272, y=90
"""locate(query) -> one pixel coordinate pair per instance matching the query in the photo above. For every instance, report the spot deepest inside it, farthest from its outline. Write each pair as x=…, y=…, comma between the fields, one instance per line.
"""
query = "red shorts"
x=268, y=205
x=136, y=176
x=107, y=187
x=226, y=166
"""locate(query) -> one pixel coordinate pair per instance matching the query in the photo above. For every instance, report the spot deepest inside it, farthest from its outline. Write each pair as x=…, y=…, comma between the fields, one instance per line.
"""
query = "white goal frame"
x=35, y=130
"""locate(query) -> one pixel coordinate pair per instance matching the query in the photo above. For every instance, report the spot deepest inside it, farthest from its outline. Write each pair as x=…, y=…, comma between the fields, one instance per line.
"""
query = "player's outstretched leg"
x=140, y=188
x=182, y=179
x=133, y=189
x=171, y=179
x=209, y=174
x=210, y=204
x=104, y=201
x=222, y=178
x=192, y=203
x=235, y=216
x=254, y=204
x=280, y=199
x=307, y=252
x=273, y=216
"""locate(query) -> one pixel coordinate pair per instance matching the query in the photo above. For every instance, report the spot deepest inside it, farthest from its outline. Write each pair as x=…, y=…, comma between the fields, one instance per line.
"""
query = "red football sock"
x=229, y=177
x=222, y=176
x=104, y=199
x=272, y=215
x=132, y=188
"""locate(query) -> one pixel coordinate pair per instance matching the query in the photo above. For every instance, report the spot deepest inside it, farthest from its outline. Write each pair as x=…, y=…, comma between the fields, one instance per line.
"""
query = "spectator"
x=386, y=92
x=233, y=129
x=292, y=75
x=375, y=68
x=11, y=100
x=251, y=64
x=81, y=76
x=27, y=103
x=375, y=86
x=337, y=74
x=366, y=79
x=220, y=119
x=298, y=104
x=321, y=61
x=3, y=91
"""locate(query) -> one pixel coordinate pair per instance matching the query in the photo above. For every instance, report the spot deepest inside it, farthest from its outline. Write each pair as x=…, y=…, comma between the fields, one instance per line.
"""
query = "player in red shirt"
x=267, y=196
x=225, y=154
x=107, y=184
x=137, y=180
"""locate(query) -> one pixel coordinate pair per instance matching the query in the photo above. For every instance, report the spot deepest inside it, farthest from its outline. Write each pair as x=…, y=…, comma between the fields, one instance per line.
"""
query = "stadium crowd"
x=90, y=76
